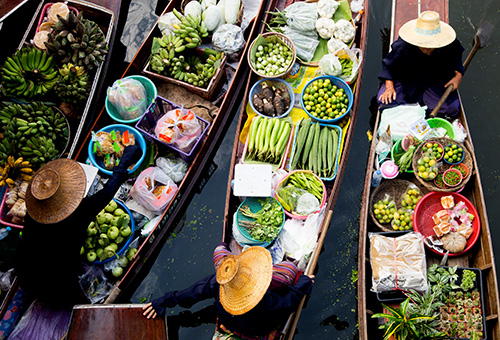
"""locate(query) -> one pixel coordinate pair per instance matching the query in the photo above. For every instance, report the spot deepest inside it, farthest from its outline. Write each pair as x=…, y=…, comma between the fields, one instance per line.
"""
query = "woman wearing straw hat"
x=423, y=61
x=252, y=296
x=48, y=261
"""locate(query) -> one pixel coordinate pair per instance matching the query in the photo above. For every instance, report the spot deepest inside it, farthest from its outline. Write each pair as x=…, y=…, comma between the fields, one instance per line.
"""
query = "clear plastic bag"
x=459, y=131
x=129, y=97
x=356, y=55
x=174, y=167
x=166, y=21
x=398, y=262
x=229, y=39
x=94, y=284
x=178, y=127
x=410, y=197
x=384, y=209
x=403, y=219
x=153, y=189
x=399, y=118
x=298, y=201
x=305, y=42
x=330, y=64
x=302, y=16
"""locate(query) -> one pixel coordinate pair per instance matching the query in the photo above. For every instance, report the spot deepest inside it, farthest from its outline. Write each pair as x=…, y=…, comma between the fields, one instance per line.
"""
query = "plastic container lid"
x=389, y=169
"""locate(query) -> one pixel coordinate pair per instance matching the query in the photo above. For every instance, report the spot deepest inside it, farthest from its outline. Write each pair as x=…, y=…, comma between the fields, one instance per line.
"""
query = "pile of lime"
x=453, y=153
x=402, y=220
x=324, y=100
x=384, y=211
x=433, y=149
x=427, y=168
x=410, y=198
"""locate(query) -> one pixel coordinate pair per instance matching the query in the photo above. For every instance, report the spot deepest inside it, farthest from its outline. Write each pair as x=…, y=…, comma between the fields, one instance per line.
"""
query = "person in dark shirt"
x=423, y=61
x=252, y=297
x=48, y=260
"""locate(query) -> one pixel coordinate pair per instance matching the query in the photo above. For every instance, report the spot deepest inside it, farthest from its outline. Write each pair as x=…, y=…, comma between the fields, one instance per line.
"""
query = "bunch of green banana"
x=191, y=30
x=39, y=150
x=72, y=84
x=30, y=72
x=77, y=40
x=165, y=49
x=22, y=123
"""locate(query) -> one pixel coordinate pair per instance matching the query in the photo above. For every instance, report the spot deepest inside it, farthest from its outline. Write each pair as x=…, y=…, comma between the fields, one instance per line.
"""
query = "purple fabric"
x=42, y=323
x=430, y=98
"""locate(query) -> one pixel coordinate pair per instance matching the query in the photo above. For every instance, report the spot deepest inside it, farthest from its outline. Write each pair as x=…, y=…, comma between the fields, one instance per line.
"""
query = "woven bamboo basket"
x=395, y=188
x=285, y=40
x=430, y=185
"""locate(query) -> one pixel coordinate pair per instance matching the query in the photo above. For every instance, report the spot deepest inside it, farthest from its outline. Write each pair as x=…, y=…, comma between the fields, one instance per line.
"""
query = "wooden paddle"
x=481, y=38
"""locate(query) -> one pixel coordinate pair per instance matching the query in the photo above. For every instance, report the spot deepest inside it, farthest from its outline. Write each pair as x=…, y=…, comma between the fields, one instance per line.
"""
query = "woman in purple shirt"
x=423, y=61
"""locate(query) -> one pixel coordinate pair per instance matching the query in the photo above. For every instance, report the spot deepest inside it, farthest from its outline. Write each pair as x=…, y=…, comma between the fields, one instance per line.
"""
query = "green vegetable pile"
x=273, y=57
x=404, y=162
x=106, y=234
x=308, y=182
x=324, y=100
x=468, y=280
x=266, y=222
x=315, y=149
x=267, y=139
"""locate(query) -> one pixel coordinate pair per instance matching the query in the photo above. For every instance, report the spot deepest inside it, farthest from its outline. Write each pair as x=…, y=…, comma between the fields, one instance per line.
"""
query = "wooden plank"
x=120, y=322
x=7, y=7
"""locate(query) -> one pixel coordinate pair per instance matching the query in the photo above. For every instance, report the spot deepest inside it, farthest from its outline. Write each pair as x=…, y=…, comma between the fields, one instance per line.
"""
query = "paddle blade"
x=484, y=33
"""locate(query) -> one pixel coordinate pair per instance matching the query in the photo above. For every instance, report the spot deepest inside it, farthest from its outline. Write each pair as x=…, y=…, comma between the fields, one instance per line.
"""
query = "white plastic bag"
x=129, y=97
x=399, y=118
x=356, y=55
x=179, y=127
x=166, y=22
x=459, y=131
x=305, y=42
x=330, y=64
x=229, y=39
x=174, y=167
x=153, y=189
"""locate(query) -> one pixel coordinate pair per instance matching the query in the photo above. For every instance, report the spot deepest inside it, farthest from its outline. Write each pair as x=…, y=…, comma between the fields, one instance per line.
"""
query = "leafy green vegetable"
x=468, y=279
x=405, y=160
x=267, y=221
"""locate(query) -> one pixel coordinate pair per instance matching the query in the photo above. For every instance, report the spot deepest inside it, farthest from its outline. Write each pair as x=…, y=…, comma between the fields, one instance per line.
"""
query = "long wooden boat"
x=225, y=102
x=332, y=187
x=480, y=256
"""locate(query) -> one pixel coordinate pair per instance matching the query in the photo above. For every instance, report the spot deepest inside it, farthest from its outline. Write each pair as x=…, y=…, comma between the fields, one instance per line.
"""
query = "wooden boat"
x=332, y=187
x=480, y=256
x=112, y=321
x=225, y=102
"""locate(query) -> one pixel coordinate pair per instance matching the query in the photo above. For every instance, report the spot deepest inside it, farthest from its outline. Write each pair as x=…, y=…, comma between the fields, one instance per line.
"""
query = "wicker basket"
x=430, y=185
x=283, y=39
x=395, y=188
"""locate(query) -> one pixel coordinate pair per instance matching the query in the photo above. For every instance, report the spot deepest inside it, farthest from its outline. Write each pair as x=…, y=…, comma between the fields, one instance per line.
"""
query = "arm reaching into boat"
x=252, y=296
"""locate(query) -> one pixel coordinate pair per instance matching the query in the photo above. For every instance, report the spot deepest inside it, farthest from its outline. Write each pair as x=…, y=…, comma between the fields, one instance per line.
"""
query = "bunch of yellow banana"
x=30, y=72
x=192, y=30
x=15, y=169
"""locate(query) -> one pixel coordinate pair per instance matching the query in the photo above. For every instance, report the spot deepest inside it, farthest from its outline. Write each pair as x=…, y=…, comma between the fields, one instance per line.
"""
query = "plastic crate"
x=146, y=125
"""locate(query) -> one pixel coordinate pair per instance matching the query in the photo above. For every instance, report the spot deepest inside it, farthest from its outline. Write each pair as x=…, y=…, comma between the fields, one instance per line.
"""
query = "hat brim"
x=257, y=265
x=408, y=33
x=65, y=200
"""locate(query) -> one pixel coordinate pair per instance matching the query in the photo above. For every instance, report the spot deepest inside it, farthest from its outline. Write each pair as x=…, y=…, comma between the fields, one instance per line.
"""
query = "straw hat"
x=55, y=191
x=244, y=279
x=427, y=31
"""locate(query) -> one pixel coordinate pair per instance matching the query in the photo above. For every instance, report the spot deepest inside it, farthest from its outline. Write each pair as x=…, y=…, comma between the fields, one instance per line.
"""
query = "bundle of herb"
x=404, y=162
x=267, y=221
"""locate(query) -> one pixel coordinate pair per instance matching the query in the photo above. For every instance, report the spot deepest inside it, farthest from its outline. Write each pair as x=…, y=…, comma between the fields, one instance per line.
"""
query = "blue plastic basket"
x=458, y=161
x=254, y=205
x=129, y=240
x=339, y=130
x=340, y=84
x=257, y=88
x=139, y=139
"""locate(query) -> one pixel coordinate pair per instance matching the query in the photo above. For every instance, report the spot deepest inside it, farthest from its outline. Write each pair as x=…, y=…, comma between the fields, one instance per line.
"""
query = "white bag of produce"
x=153, y=189
x=174, y=167
x=305, y=42
x=398, y=262
x=302, y=16
x=399, y=118
x=329, y=64
x=129, y=97
x=229, y=39
x=166, y=21
x=178, y=127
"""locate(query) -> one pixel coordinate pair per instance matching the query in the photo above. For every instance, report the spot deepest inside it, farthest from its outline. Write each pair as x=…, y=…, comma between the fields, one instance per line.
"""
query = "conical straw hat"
x=55, y=191
x=427, y=31
x=244, y=279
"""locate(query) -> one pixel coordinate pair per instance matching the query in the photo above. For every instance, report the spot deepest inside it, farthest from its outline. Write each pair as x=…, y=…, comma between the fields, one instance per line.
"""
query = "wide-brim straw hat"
x=427, y=31
x=244, y=279
x=55, y=191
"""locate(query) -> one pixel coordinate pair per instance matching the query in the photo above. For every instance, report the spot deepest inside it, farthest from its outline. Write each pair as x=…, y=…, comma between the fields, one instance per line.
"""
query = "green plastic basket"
x=440, y=122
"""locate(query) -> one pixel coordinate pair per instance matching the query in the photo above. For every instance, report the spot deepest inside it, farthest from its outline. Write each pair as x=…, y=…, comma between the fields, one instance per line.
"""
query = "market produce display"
x=301, y=193
x=452, y=177
x=267, y=139
x=267, y=221
x=427, y=168
x=433, y=150
x=108, y=234
x=73, y=84
x=315, y=148
x=453, y=154
x=270, y=55
x=411, y=198
x=29, y=72
x=324, y=100
x=109, y=146
x=273, y=100
x=384, y=211
x=37, y=132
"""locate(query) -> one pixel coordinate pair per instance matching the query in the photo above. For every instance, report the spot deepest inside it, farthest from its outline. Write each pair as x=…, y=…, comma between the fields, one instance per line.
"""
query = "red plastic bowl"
x=431, y=204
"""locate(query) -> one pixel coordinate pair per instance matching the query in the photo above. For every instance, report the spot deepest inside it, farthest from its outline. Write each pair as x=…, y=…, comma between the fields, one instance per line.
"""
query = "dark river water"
x=331, y=310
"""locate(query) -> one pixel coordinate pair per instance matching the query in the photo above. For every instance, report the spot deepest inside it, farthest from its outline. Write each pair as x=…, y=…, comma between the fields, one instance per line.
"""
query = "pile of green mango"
x=107, y=234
